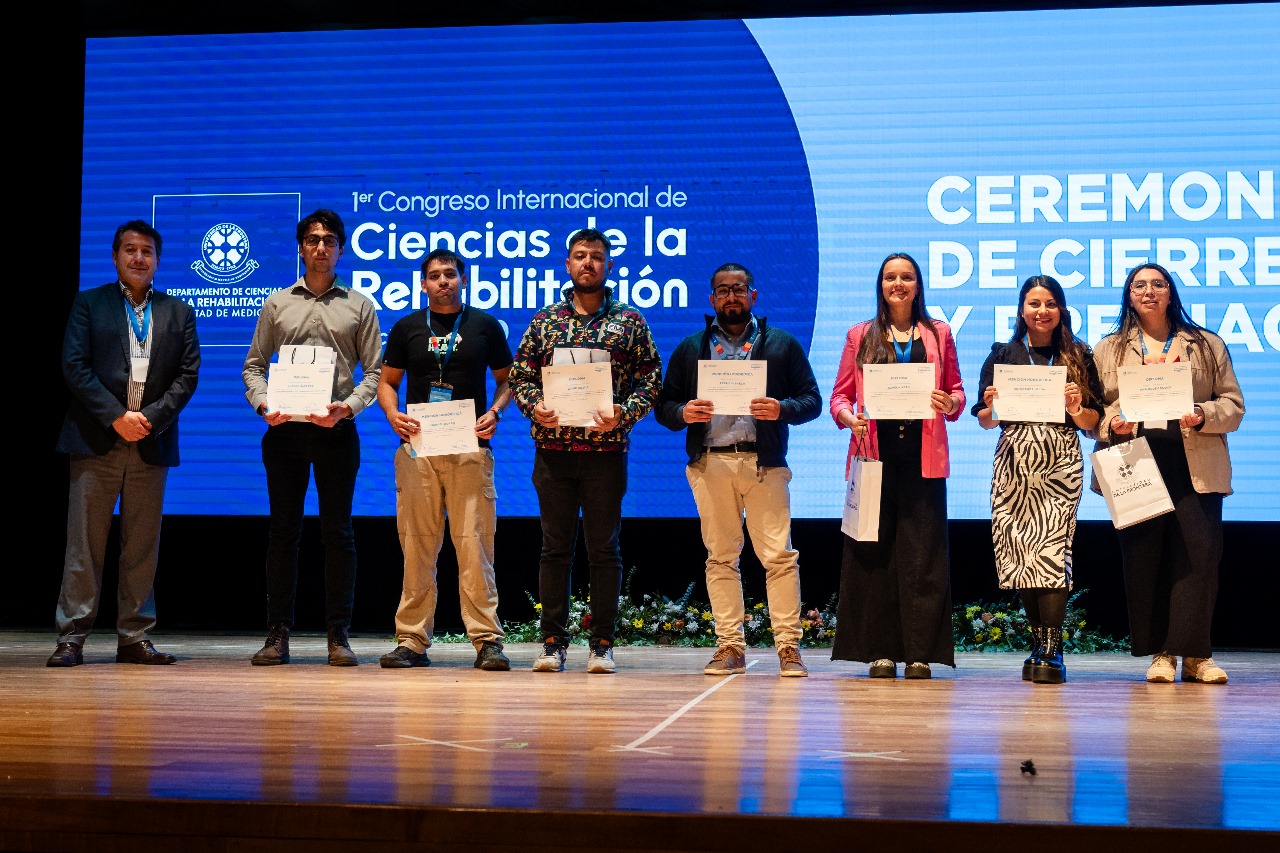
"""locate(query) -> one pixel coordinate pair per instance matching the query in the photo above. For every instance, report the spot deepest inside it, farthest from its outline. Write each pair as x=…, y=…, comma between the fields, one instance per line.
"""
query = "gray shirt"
x=340, y=318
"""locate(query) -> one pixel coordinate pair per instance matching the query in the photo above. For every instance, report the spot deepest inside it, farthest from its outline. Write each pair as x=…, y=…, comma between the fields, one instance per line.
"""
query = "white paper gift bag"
x=862, y=499
x=1131, y=482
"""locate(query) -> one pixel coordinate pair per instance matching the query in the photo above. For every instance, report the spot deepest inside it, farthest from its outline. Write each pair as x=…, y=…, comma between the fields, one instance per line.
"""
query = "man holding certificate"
x=326, y=328
x=444, y=467
x=585, y=373
x=736, y=387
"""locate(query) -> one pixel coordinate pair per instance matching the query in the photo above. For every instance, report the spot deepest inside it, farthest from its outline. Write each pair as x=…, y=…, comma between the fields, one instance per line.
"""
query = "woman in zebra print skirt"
x=1039, y=471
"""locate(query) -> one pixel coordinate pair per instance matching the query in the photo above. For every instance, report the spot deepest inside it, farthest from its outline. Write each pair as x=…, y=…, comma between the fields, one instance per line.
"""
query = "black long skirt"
x=895, y=594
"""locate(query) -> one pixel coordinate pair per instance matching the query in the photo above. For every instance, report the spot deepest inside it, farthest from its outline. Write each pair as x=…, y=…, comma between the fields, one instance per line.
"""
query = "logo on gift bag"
x=1125, y=471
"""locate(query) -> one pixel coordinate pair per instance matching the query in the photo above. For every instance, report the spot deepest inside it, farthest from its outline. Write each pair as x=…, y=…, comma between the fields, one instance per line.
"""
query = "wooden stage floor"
x=215, y=754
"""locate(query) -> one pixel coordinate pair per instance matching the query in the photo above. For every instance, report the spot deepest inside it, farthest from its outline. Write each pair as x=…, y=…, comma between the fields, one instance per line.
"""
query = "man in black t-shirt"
x=445, y=350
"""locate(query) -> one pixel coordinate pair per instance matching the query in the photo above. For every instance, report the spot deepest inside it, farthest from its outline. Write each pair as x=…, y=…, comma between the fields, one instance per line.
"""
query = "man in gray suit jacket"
x=130, y=358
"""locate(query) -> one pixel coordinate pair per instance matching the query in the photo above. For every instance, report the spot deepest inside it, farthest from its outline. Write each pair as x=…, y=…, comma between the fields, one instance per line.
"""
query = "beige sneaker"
x=1164, y=667
x=1203, y=670
x=790, y=664
x=726, y=661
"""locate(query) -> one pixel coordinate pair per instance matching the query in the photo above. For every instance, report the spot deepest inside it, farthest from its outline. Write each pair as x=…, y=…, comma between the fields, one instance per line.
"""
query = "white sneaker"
x=1164, y=667
x=551, y=659
x=1203, y=670
x=601, y=658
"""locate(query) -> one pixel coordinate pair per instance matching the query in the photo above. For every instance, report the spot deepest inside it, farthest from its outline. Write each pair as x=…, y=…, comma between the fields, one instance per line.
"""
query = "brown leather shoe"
x=66, y=654
x=143, y=652
x=340, y=653
x=276, y=650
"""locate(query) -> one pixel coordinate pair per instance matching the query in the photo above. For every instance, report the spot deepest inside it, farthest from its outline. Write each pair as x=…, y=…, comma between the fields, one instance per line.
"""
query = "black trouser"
x=593, y=483
x=290, y=452
x=1171, y=563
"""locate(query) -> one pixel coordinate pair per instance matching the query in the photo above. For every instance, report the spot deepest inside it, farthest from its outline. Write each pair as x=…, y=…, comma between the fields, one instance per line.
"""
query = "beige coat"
x=1214, y=388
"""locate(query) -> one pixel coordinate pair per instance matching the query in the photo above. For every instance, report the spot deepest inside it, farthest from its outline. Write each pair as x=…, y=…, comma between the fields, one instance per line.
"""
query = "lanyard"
x=1142, y=338
x=141, y=328
x=903, y=351
x=1027, y=346
x=450, y=340
x=742, y=353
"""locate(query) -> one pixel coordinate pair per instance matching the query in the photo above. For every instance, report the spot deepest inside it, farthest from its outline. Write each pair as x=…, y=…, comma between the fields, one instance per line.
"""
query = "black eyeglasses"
x=313, y=240
x=735, y=290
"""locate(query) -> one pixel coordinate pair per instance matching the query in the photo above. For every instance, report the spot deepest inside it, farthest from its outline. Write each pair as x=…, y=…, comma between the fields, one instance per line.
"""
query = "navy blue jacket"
x=790, y=382
x=95, y=366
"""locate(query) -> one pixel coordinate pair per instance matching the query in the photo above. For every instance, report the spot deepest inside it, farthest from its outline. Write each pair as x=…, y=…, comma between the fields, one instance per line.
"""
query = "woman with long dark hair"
x=895, y=593
x=1038, y=476
x=1171, y=561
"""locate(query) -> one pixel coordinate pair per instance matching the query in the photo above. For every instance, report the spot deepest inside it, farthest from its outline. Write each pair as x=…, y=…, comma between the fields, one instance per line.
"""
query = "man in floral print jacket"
x=584, y=469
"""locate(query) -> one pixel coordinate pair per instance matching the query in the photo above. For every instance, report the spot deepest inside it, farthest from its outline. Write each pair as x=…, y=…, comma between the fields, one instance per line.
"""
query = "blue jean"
x=290, y=452
x=593, y=483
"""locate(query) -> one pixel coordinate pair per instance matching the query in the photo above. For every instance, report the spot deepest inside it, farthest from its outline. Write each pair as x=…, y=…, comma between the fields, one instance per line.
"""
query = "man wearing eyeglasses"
x=325, y=318
x=738, y=465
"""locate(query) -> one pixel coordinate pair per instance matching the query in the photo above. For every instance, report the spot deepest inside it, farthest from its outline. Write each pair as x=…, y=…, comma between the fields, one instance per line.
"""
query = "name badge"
x=440, y=393
x=138, y=368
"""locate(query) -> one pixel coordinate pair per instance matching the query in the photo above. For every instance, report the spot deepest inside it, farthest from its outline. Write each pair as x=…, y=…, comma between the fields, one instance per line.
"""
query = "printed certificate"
x=446, y=427
x=577, y=391
x=731, y=384
x=1030, y=392
x=1156, y=392
x=300, y=382
x=898, y=392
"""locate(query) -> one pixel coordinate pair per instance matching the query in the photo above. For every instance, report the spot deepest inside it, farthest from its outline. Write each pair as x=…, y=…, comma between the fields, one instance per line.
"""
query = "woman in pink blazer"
x=895, y=593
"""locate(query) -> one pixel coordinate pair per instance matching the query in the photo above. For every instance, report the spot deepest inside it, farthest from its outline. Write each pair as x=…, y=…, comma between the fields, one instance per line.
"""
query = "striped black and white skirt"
x=1035, y=492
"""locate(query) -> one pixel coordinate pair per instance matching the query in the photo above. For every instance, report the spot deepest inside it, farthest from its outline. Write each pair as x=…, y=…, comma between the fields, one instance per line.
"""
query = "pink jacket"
x=940, y=352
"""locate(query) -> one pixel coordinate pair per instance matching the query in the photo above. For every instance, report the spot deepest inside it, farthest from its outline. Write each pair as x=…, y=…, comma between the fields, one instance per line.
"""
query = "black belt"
x=740, y=447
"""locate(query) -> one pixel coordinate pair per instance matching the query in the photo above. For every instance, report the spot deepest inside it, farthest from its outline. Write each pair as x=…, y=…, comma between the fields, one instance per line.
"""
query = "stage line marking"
x=885, y=756
x=636, y=745
x=456, y=744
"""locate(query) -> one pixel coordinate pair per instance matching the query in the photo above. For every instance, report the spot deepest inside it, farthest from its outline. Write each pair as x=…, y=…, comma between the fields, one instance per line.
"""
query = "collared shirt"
x=137, y=348
x=730, y=429
x=340, y=318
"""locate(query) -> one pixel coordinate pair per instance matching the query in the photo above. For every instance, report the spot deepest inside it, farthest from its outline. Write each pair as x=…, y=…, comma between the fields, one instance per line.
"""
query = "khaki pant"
x=726, y=487
x=429, y=488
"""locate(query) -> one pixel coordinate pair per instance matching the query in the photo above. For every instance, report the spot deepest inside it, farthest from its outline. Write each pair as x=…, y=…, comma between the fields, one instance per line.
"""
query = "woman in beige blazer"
x=1171, y=561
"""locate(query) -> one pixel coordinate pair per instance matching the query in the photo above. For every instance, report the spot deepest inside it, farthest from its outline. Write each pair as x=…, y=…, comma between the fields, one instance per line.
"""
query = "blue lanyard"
x=141, y=328
x=1027, y=346
x=903, y=350
x=1142, y=339
x=450, y=340
x=743, y=353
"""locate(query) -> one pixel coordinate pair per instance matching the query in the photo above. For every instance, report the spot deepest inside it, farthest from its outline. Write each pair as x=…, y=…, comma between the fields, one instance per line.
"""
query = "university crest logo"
x=224, y=255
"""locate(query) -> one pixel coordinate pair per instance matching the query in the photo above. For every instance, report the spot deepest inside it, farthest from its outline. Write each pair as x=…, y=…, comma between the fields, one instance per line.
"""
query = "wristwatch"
x=497, y=414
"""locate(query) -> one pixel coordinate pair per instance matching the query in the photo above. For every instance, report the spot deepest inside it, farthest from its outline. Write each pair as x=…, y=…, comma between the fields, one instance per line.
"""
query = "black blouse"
x=1015, y=353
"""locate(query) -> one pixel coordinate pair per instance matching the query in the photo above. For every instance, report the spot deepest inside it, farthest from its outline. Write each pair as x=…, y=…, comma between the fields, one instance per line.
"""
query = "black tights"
x=1046, y=607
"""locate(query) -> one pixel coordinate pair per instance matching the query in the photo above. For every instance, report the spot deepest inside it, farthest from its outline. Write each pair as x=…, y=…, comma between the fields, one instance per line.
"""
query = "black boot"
x=1050, y=669
x=1037, y=649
